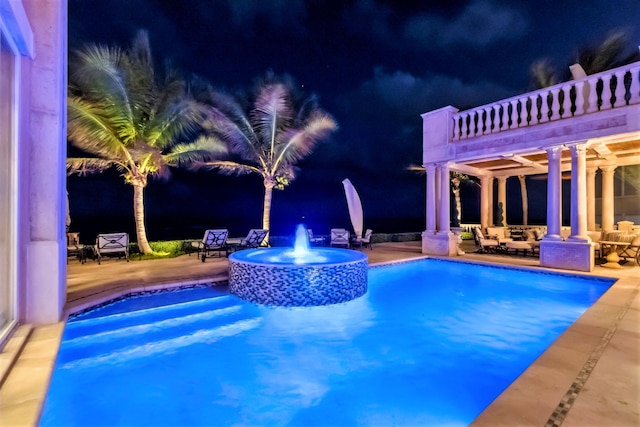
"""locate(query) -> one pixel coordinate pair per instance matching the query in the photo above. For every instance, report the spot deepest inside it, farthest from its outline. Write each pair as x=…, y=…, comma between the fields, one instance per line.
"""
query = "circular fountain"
x=298, y=276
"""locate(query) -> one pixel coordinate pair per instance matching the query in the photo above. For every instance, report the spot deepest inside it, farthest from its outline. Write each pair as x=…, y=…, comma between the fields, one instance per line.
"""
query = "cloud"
x=480, y=24
x=279, y=14
x=403, y=96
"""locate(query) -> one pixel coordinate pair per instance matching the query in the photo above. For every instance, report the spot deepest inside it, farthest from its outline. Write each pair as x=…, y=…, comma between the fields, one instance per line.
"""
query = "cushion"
x=539, y=234
x=530, y=235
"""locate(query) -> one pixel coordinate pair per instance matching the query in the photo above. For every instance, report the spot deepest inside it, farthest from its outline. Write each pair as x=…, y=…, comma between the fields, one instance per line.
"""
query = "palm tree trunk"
x=525, y=201
x=138, y=212
x=266, y=210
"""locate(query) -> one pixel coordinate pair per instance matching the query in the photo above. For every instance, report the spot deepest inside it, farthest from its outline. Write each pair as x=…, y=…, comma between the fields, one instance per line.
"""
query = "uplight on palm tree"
x=121, y=115
x=268, y=131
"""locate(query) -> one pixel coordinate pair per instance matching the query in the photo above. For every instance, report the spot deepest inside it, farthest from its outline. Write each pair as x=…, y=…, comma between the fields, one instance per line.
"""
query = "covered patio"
x=581, y=126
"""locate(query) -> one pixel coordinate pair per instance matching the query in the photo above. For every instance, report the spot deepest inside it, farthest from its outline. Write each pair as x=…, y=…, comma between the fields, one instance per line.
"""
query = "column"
x=579, y=192
x=525, y=199
x=607, y=197
x=591, y=199
x=431, y=198
x=502, y=198
x=490, y=196
x=444, y=214
x=486, y=187
x=554, y=194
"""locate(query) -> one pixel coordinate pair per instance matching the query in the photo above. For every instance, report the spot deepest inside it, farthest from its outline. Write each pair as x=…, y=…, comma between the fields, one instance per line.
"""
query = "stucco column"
x=431, y=198
x=486, y=187
x=578, y=192
x=591, y=199
x=502, y=198
x=607, y=197
x=43, y=152
x=444, y=214
x=525, y=199
x=554, y=194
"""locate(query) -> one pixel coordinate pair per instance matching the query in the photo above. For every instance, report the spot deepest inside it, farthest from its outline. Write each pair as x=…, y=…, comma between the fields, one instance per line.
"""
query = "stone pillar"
x=607, y=197
x=591, y=199
x=486, y=185
x=579, y=192
x=502, y=198
x=431, y=198
x=444, y=211
x=554, y=194
x=525, y=199
x=490, y=197
x=43, y=145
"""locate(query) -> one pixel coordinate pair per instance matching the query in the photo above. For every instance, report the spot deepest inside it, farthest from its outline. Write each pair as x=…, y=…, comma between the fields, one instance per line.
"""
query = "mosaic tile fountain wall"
x=298, y=285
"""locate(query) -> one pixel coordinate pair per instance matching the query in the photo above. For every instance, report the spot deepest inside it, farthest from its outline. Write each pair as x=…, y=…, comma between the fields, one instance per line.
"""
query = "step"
x=151, y=348
x=96, y=325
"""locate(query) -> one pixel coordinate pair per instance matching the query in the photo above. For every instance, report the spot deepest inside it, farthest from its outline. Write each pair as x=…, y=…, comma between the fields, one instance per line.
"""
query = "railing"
x=598, y=92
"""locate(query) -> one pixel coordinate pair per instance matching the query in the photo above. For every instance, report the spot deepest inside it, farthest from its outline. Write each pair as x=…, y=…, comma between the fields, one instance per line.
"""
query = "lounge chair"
x=112, y=244
x=339, y=237
x=255, y=238
x=212, y=241
x=486, y=245
x=499, y=234
x=365, y=241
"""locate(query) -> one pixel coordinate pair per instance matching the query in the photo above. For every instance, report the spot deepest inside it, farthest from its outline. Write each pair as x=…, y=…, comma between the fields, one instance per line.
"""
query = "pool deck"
x=590, y=376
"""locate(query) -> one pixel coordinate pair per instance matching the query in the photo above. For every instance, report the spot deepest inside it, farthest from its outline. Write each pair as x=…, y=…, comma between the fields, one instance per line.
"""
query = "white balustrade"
x=592, y=93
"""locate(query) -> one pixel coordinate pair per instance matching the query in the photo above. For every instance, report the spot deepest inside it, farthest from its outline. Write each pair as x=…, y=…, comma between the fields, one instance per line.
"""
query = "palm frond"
x=87, y=165
x=228, y=167
x=271, y=111
x=204, y=149
x=300, y=142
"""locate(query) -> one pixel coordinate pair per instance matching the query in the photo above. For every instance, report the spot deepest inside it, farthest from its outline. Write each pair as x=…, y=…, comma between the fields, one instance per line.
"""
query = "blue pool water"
x=432, y=343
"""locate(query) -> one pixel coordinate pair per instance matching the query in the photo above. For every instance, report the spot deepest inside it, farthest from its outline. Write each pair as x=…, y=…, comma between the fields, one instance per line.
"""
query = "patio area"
x=589, y=376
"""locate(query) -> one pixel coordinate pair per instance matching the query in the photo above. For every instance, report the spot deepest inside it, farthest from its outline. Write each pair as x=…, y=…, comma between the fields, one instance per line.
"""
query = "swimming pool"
x=432, y=343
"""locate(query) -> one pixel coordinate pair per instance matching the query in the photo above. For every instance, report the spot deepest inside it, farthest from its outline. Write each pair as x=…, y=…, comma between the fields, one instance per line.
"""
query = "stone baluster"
x=580, y=98
x=606, y=92
x=463, y=127
x=487, y=120
x=555, y=104
x=620, y=89
x=472, y=124
x=592, y=103
x=634, y=90
x=566, y=102
x=514, y=114
x=505, y=116
x=496, y=118
x=544, y=110
x=534, y=108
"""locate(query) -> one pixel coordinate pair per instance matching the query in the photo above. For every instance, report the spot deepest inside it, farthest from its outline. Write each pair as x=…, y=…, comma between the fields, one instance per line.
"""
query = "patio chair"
x=212, y=241
x=486, y=245
x=315, y=240
x=365, y=241
x=255, y=238
x=74, y=248
x=339, y=237
x=632, y=251
x=112, y=244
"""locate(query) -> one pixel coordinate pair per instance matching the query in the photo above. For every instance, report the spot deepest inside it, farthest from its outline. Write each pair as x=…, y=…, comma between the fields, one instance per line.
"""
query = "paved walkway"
x=589, y=377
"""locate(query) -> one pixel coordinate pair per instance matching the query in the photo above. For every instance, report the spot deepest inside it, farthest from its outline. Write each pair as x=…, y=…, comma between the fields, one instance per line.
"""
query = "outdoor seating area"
x=112, y=244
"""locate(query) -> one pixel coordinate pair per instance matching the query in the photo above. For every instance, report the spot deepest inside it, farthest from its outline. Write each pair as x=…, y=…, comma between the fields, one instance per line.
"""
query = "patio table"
x=612, y=257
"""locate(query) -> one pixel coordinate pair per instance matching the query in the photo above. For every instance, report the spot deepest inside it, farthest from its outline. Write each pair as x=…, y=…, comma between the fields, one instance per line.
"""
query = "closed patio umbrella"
x=355, y=207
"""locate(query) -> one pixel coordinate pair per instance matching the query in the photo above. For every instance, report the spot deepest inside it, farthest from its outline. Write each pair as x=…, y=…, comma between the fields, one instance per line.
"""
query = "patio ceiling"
x=616, y=150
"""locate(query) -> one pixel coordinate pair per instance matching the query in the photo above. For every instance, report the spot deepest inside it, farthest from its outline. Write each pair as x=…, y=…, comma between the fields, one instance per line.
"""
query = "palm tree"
x=268, y=131
x=120, y=115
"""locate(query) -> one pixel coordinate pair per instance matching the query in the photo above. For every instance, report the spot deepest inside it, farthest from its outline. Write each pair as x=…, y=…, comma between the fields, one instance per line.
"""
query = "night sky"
x=376, y=65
